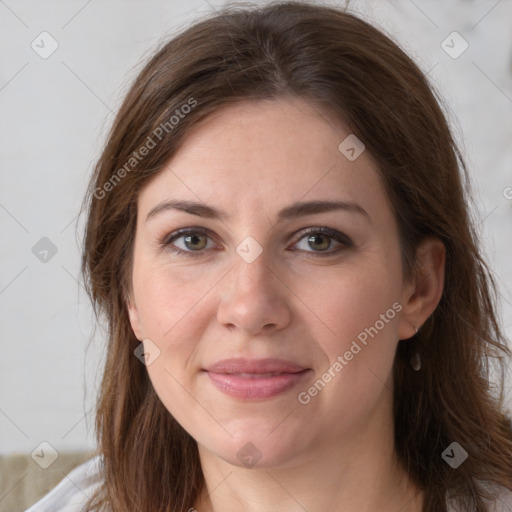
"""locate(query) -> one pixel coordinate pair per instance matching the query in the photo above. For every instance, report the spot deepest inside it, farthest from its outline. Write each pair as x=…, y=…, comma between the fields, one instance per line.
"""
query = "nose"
x=254, y=298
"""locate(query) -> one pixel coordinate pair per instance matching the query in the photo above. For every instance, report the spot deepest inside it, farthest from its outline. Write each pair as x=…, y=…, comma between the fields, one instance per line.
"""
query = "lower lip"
x=254, y=387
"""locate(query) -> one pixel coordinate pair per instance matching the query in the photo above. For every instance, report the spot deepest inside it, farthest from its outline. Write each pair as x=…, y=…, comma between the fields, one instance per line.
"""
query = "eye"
x=193, y=241
x=320, y=239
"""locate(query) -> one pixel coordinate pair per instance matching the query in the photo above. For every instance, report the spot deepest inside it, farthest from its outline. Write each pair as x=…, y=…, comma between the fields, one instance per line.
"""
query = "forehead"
x=266, y=154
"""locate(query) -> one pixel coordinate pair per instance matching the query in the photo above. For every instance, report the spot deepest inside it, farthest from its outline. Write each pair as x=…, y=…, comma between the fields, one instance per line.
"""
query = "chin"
x=256, y=451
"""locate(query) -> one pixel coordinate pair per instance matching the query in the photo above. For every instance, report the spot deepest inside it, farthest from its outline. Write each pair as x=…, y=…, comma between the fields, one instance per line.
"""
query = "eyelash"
x=331, y=233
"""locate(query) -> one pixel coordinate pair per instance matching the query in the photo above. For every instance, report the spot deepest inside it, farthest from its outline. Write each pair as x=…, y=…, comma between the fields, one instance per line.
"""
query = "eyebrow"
x=290, y=212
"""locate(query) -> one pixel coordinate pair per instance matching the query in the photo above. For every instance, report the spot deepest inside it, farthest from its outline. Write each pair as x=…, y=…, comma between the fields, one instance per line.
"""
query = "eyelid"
x=167, y=240
x=325, y=230
x=184, y=231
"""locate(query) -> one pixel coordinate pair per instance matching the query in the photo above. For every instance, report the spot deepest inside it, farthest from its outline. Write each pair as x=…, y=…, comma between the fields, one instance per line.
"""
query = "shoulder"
x=502, y=500
x=73, y=491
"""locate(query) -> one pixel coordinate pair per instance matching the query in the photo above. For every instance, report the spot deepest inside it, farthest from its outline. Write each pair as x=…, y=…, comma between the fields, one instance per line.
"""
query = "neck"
x=361, y=473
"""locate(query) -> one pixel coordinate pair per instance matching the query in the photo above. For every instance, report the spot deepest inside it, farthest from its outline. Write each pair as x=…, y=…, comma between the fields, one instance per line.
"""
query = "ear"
x=133, y=314
x=422, y=294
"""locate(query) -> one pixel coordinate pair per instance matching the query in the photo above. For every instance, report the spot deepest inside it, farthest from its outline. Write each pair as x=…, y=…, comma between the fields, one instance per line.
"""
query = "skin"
x=335, y=452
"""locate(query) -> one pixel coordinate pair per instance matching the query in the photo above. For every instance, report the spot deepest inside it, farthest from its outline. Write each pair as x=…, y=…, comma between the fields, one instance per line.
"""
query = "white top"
x=73, y=492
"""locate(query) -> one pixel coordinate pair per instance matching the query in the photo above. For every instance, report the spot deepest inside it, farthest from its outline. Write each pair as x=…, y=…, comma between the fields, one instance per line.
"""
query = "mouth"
x=255, y=379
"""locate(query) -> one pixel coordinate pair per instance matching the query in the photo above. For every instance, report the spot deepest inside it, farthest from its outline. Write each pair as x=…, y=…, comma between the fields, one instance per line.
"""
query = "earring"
x=416, y=359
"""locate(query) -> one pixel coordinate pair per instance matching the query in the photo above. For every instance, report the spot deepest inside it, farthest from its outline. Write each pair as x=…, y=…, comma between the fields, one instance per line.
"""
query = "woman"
x=299, y=315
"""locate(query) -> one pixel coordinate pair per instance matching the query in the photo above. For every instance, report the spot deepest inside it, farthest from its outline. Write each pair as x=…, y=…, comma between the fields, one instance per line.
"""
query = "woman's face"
x=257, y=280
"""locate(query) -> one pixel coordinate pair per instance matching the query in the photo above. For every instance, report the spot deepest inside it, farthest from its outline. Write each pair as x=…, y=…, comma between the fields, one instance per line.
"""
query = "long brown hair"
x=349, y=69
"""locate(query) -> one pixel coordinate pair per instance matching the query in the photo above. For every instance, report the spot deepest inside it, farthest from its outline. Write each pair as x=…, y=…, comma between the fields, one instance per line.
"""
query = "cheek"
x=174, y=306
x=167, y=299
x=171, y=305
x=361, y=309
x=354, y=304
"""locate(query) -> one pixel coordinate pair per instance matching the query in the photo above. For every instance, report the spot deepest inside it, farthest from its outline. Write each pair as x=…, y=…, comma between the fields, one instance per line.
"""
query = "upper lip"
x=241, y=365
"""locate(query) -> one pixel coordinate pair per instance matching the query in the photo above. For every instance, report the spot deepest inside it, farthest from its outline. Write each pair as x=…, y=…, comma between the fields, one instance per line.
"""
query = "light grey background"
x=54, y=117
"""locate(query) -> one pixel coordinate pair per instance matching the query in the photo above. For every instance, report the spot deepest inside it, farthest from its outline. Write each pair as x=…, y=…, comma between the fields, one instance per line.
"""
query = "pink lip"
x=256, y=379
x=241, y=365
